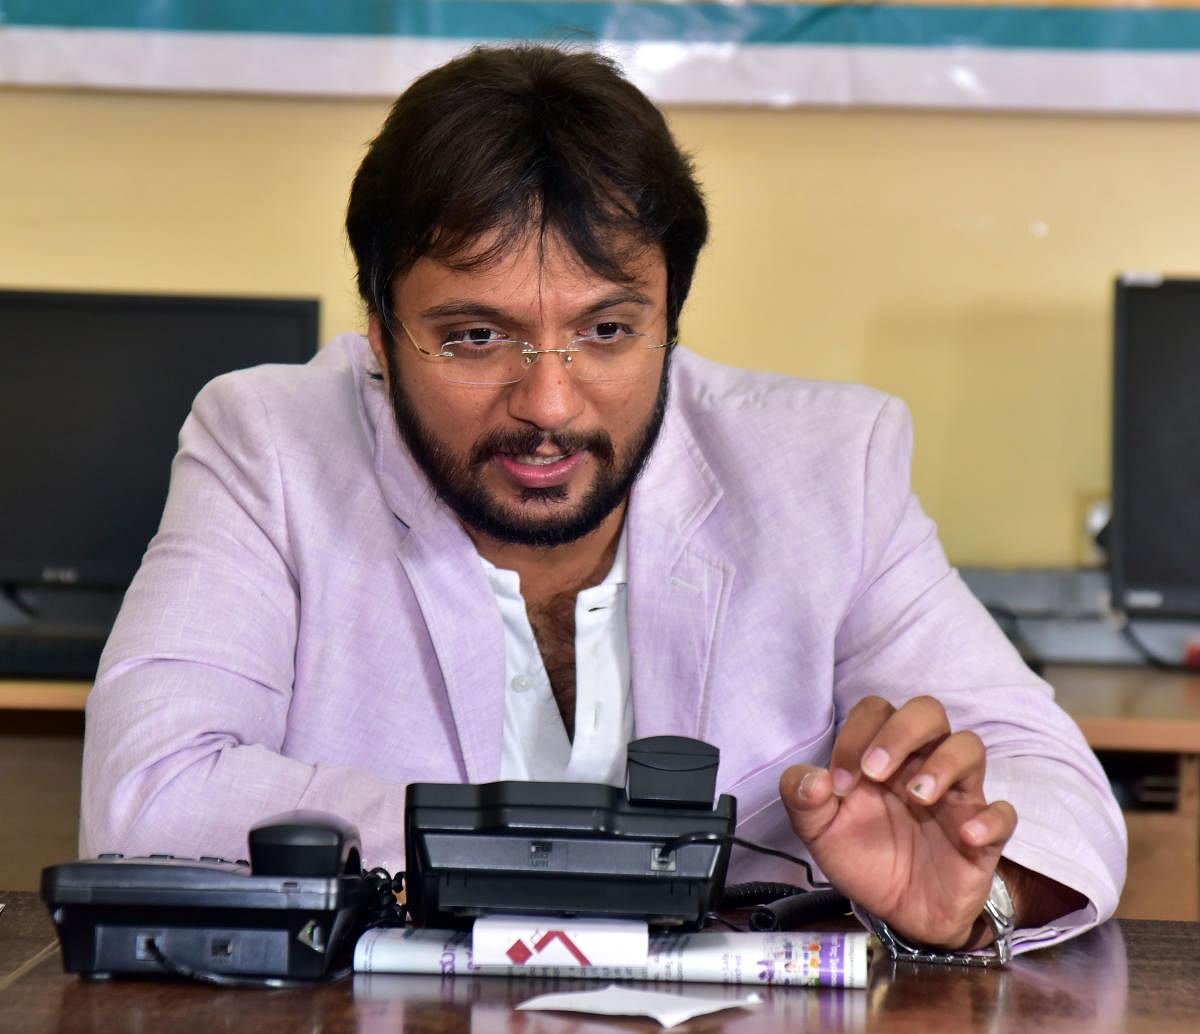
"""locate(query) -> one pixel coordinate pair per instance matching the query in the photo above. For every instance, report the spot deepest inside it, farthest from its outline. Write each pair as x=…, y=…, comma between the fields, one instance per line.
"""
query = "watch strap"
x=997, y=913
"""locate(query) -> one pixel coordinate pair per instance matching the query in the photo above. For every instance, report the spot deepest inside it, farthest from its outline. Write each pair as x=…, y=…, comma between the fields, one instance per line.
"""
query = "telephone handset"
x=294, y=911
x=305, y=843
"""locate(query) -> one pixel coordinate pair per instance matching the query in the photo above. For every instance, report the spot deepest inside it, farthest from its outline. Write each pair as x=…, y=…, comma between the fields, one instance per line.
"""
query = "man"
x=518, y=525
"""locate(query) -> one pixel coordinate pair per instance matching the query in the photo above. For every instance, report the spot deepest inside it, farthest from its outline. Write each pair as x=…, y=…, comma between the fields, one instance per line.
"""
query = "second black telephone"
x=294, y=911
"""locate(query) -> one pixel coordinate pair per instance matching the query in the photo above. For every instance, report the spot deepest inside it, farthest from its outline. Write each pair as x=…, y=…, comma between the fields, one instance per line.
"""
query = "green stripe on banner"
x=1065, y=28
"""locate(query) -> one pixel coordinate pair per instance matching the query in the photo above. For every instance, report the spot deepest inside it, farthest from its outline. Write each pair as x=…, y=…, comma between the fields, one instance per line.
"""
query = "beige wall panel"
x=963, y=261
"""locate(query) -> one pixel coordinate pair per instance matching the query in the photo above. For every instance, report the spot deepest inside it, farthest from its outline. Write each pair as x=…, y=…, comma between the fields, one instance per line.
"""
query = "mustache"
x=530, y=439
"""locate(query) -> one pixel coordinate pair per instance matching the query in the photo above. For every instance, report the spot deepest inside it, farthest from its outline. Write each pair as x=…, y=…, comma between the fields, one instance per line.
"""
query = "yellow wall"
x=962, y=261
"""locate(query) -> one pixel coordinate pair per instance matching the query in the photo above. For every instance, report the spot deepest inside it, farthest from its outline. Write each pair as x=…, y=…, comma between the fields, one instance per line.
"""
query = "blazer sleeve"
x=914, y=628
x=187, y=721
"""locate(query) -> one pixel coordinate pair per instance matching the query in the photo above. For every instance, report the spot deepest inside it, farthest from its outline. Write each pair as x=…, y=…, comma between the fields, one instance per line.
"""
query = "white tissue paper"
x=614, y=1000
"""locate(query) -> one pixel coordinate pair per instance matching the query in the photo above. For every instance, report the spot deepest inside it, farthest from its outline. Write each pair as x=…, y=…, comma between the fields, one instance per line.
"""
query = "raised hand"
x=899, y=823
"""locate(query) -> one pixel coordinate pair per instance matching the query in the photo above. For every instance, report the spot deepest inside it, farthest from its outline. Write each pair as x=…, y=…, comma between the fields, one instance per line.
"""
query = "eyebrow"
x=457, y=307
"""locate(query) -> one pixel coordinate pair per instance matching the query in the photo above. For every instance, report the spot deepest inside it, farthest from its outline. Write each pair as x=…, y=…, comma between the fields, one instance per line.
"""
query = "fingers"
x=878, y=740
x=805, y=786
x=958, y=761
x=990, y=827
x=913, y=751
x=807, y=794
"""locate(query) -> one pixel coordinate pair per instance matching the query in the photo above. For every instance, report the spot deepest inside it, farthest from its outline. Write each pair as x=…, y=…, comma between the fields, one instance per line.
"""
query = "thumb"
x=807, y=794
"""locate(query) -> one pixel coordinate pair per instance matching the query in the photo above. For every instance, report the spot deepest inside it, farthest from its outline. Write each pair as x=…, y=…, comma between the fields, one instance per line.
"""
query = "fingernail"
x=876, y=763
x=922, y=787
x=843, y=782
x=807, y=783
x=975, y=831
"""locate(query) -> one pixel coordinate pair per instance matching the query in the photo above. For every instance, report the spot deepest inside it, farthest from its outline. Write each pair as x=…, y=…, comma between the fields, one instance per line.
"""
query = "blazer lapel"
x=452, y=591
x=464, y=625
x=678, y=589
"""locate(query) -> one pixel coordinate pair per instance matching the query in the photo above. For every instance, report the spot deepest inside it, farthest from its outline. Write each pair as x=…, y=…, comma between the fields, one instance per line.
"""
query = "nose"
x=548, y=395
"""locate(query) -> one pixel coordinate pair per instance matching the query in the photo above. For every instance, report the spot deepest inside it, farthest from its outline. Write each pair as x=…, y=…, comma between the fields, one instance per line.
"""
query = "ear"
x=380, y=342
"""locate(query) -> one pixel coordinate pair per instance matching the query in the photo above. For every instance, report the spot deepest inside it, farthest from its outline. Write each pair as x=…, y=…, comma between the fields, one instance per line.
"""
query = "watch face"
x=999, y=906
x=999, y=895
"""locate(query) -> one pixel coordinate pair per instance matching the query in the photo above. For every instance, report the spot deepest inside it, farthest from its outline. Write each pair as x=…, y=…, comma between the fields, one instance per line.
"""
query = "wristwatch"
x=998, y=913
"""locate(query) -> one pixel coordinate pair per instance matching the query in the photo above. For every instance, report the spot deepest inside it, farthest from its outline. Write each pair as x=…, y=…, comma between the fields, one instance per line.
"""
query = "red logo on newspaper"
x=520, y=952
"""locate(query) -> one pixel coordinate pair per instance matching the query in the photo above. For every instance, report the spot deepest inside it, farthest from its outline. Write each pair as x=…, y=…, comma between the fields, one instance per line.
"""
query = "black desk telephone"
x=658, y=851
x=294, y=911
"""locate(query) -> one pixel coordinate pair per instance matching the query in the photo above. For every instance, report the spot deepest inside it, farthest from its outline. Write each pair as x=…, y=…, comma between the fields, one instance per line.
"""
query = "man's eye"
x=609, y=331
x=474, y=336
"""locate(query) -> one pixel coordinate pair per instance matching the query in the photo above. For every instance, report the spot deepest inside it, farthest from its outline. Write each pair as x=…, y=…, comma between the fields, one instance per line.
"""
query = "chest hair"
x=553, y=623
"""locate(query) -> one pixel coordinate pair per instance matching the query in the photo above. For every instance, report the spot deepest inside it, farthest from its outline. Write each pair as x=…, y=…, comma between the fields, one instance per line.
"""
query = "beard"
x=458, y=480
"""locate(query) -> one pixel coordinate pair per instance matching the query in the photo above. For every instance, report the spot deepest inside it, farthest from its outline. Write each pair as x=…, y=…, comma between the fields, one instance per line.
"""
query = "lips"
x=533, y=470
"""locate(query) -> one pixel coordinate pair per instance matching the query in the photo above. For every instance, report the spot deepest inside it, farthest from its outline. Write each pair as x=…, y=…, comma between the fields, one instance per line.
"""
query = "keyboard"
x=33, y=651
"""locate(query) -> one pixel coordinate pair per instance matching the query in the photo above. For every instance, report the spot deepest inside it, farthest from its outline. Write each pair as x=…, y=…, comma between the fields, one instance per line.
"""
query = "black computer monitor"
x=93, y=391
x=1154, y=535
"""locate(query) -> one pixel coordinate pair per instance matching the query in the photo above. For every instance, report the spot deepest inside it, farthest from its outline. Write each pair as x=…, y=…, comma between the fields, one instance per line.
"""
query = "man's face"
x=546, y=460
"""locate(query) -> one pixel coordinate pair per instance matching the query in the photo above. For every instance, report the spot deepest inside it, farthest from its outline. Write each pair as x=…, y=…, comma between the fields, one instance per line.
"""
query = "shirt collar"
x=508, y=583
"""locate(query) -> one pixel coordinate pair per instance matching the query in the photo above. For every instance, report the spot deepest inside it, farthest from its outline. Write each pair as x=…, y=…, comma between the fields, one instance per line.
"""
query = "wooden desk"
x=43, y=695
x=1151, y=711
x=1131, y=708
x=1125, y=976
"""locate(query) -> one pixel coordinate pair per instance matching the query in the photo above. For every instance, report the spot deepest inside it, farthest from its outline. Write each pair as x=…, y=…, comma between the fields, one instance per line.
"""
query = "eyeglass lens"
x=588, y=359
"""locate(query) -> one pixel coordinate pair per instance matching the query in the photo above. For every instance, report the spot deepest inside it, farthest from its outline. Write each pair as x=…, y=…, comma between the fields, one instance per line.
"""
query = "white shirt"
x=536, y=745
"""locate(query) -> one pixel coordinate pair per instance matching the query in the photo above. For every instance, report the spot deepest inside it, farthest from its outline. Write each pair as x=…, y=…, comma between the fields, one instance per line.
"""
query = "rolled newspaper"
x=812, y=959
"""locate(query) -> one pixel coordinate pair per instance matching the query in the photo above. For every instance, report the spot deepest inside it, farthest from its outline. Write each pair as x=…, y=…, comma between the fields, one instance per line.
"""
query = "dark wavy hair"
x=506, y=142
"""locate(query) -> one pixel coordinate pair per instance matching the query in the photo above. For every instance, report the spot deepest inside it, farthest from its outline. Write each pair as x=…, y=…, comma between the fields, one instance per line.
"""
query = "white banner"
x=1061, y=57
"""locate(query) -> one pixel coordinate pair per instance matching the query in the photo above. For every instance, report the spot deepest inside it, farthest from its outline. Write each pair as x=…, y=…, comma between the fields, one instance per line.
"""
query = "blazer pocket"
x=760, y=789
x=762, y=819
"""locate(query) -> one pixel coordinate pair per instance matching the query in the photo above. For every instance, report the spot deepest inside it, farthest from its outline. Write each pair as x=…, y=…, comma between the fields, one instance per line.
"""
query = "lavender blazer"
x=312, y=628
